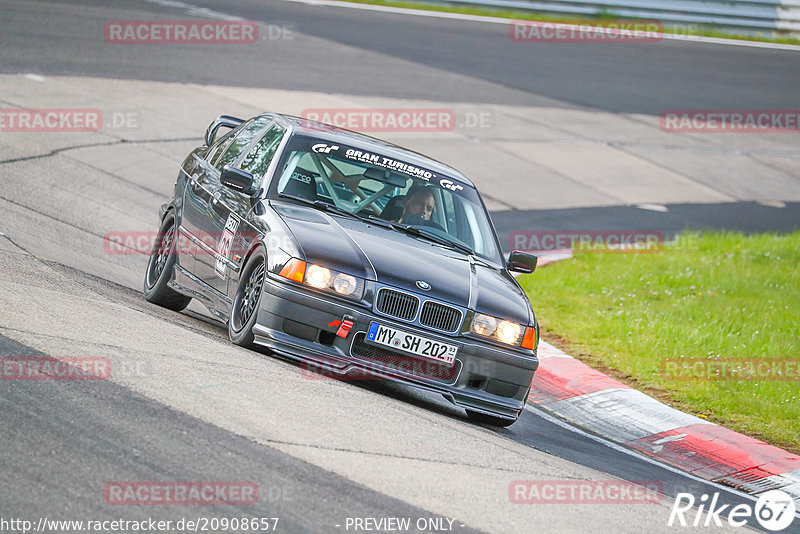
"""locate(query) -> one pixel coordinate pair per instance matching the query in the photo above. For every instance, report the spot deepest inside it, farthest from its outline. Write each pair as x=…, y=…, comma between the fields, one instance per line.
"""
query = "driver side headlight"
x=324, y=279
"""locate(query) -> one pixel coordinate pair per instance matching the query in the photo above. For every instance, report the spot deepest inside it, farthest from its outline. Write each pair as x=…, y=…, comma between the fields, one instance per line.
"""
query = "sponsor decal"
x=301, y=176
x=322, y=148
x=449, y=184
x=388, y=163
x=225, y=242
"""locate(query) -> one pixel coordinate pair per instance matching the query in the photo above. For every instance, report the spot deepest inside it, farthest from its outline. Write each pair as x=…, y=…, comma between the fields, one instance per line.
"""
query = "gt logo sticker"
x=225, y=242
x=322, y=148
x=448, y=184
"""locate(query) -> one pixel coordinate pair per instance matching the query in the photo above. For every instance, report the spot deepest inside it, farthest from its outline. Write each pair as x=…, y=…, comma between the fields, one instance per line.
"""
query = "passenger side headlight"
x=507, y=332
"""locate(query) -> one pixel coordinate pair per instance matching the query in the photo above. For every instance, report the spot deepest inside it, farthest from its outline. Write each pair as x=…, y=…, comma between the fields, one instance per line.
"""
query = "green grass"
x=706, y=31
x=721, y=295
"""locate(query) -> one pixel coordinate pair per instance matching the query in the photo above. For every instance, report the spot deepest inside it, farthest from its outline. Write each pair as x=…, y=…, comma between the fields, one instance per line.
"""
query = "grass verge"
x=705, y=31
x=716, y=297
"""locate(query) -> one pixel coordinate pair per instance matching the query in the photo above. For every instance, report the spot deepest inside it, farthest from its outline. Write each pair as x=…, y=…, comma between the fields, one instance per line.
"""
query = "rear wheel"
x=247, y=300
x=160, y=267
x=483, y=419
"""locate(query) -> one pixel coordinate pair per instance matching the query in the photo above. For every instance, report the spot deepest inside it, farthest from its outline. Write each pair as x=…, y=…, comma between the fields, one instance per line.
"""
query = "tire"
x=483, y=419
x=247, y=301
x=160, y=267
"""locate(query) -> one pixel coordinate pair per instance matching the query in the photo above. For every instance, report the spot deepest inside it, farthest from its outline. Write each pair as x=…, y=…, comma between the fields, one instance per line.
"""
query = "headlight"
x=317, y=276
x=322, y=278
x=344, y=284
x=506, y=332
x=483, y=325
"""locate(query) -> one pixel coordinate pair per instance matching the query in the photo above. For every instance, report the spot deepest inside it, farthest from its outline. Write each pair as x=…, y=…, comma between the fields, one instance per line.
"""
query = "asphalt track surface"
x=359, y=52
x=412, y=53
x=61, y=442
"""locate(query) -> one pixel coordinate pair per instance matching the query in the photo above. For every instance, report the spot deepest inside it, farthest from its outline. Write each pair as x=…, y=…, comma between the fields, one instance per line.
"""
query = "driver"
x=419, y=204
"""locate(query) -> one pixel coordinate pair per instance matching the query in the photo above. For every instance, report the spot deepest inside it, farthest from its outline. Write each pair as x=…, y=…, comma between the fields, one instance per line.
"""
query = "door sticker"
x=225, y=242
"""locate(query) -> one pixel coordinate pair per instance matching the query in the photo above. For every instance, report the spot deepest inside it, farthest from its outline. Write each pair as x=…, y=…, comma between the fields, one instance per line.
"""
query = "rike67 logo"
x=774, y=511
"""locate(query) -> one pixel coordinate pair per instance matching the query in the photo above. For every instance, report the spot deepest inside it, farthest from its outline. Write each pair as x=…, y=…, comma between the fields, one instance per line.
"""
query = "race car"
x=351, y=255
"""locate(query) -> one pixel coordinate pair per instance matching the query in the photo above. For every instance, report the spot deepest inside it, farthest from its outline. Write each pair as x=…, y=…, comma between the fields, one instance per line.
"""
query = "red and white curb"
x=573, y=391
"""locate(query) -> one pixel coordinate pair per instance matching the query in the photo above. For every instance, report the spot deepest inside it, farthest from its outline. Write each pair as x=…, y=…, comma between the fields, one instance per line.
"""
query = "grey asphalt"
x=745, y=217
x=369, y=53
x=64, y=440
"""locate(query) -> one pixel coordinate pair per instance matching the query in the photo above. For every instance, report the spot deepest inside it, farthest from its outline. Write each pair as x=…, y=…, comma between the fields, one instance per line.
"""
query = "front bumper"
x=300, y=324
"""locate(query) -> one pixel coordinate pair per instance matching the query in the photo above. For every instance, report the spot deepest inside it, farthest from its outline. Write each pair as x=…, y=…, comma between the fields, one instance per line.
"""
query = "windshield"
x=369, y=184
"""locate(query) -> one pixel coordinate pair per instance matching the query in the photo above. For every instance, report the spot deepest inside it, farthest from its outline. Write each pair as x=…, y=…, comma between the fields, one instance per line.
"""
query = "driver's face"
x=420, y=205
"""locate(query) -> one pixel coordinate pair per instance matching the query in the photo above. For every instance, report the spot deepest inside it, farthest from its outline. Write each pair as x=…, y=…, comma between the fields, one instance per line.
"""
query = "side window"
x=257, y=161
x=241, y=141
x=219, y=147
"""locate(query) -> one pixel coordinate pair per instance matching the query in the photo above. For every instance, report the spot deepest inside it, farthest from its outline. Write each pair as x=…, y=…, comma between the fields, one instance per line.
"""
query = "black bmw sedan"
x=353, y=256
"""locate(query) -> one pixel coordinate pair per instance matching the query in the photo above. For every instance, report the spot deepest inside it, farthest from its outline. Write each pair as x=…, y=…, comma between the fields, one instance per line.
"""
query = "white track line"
x=498, y=20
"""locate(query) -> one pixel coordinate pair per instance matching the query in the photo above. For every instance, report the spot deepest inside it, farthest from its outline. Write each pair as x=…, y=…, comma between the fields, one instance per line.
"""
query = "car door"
x=205, y=214
x=241, y=226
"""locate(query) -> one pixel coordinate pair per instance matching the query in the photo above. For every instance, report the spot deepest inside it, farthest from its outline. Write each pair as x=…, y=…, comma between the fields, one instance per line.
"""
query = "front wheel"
x=483, y=419
x=159, y=269
x=247, y=300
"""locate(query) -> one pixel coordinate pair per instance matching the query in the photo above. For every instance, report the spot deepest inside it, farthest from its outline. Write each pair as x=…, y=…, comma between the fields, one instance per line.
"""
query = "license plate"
x=423, y=347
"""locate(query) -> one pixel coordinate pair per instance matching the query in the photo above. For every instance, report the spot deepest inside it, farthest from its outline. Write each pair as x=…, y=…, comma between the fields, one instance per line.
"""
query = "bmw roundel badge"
x=422, y=284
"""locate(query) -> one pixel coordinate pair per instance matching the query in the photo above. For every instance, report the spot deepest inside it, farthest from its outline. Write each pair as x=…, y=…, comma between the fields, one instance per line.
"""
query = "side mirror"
x=237, y=179
x=521, y=262
x=223, y=121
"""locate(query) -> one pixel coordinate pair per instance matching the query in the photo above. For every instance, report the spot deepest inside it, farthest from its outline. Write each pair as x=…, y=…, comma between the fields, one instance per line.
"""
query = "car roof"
x=330, y=133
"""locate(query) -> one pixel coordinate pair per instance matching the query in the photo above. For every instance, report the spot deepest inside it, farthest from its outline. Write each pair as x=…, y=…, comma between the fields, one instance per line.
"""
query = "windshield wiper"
x=427, y=234
x=320, y=205
x=377, y=220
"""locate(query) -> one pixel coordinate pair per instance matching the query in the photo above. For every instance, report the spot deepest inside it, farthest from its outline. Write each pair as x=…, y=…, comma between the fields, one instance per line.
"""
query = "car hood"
x=399, y=260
